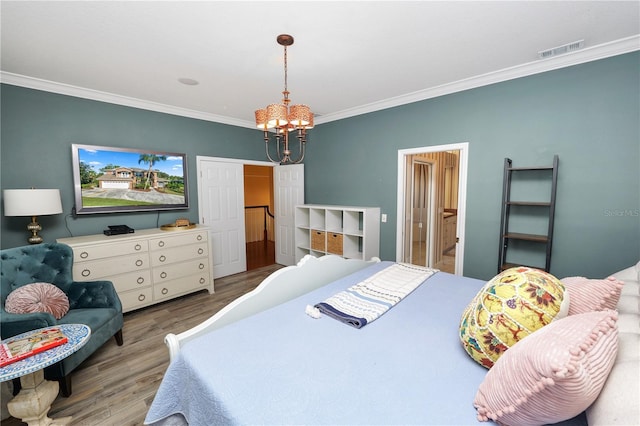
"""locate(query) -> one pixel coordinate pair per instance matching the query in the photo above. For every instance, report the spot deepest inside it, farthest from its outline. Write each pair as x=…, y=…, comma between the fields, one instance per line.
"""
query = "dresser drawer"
x=177, y=240
x=81, y=254
x=135, y=299
x=131, y=280
x=96, y=269
x=173, y=288
x=179, y=254
x=177, y=270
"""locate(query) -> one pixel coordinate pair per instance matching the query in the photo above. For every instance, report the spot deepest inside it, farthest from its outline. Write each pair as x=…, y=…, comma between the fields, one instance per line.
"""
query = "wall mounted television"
x=120, y=180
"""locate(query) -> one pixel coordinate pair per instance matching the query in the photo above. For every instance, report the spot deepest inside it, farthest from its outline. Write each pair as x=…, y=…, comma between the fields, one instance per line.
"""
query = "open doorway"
x=258, y=216
x=221, y=202
x=431, y=204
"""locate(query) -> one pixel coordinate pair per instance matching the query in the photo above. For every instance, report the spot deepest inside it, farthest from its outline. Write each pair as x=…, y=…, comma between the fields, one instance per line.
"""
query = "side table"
x=33, y=402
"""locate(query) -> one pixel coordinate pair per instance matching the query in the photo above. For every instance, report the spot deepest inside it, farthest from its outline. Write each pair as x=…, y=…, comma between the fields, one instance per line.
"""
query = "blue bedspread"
x=283, y=367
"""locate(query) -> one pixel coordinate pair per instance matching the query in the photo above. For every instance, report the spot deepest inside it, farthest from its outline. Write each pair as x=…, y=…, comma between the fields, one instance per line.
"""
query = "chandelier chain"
x=286, y=90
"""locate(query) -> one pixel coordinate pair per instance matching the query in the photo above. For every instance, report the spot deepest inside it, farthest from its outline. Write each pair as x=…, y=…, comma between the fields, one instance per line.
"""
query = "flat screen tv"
x=118, y=180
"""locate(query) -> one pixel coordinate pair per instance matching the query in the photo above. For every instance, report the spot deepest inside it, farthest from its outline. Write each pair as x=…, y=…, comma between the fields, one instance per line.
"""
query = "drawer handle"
x=86, y=272
x=141, y=297
x=200, y=250
x=163, y=258
x=139, y=262
x=140, y=280
x=138, y=247
x=202, y=280
x=163, y=275
x=84, y=255
x=161, y=243
x=199, y=237
x=164, y=291
x=201, y=266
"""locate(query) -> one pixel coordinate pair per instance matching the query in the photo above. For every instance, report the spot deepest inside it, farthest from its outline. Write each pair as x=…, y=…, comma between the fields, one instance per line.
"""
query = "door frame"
x=463, y=147
x=200, y=161
x=277, y=240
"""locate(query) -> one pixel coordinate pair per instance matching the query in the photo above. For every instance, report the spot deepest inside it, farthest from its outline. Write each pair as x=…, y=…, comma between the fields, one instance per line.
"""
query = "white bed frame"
x=283, y=285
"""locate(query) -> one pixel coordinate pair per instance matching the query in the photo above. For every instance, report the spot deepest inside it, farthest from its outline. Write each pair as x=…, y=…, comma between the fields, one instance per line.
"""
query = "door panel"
x=222, y=207
x=288, y=192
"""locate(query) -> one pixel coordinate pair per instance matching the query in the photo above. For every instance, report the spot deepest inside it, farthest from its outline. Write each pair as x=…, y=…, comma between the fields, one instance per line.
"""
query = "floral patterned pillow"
x=511, y=306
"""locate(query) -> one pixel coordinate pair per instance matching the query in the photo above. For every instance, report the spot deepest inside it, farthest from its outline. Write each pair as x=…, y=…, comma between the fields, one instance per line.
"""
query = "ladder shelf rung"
x=529, y=203
x=521, y=169
x=506, y=266
x=527, y=237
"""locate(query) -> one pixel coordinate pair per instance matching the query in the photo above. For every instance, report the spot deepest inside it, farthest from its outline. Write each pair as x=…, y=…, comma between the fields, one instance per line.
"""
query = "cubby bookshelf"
x=350, y=232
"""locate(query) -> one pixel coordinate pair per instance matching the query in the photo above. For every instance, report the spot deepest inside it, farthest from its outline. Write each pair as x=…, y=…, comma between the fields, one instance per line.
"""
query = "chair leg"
x=118, y=337
x=65, y=385
x=16, y=386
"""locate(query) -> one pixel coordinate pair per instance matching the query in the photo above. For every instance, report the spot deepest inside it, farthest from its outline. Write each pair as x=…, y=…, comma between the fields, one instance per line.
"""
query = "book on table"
x=15, y=349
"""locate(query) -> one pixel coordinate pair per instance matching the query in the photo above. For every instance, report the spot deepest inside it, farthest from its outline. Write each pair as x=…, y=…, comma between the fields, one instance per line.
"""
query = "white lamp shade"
x=32, y=202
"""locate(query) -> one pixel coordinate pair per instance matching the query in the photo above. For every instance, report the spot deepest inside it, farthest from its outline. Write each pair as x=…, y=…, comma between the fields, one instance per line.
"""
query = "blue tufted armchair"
x=94, y=303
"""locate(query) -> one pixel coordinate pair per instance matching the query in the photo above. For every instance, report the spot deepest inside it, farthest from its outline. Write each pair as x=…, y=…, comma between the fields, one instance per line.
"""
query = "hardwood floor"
x=260, y=253
x=117, y=384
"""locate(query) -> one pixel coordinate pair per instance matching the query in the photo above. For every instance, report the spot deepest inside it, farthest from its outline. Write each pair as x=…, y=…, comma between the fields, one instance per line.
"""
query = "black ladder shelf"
x=507, y=235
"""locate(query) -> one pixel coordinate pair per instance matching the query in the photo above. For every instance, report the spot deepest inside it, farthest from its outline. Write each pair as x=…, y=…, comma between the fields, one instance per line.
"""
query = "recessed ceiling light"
x=188, y=81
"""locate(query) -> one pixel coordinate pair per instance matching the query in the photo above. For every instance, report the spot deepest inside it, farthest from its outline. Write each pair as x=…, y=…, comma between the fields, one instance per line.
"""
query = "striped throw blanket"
x=366, y=301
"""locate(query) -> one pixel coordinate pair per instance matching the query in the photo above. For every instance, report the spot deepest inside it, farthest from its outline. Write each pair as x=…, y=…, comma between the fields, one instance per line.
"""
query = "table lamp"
x=32, y=202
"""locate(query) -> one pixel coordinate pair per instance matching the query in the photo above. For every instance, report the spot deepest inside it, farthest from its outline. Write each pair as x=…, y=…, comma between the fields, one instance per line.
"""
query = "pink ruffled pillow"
x=587, y=295
x=553, y=374
x=38, y=297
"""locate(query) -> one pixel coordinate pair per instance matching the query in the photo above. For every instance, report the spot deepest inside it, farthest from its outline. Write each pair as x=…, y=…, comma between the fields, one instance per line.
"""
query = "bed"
x=264, y=360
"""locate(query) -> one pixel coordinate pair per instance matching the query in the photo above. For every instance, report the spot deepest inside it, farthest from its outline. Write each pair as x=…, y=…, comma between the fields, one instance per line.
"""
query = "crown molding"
x=96, y=95
x=602, y=51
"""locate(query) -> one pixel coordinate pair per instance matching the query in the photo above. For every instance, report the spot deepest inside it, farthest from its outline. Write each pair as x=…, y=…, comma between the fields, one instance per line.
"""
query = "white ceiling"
x=349, y=57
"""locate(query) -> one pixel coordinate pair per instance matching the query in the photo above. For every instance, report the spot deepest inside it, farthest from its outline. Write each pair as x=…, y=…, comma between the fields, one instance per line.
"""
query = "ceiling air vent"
x=561, y=50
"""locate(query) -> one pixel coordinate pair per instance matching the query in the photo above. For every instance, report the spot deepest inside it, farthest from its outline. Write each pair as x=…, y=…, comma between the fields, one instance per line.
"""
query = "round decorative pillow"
x=511, y=306
x=37, y=297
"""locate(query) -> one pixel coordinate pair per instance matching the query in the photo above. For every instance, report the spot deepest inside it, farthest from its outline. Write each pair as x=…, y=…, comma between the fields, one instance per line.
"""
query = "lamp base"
x=34, y=227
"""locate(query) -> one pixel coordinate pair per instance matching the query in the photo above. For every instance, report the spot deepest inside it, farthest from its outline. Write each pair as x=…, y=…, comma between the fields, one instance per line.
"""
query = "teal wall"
x=587, y=114
x=38, y=129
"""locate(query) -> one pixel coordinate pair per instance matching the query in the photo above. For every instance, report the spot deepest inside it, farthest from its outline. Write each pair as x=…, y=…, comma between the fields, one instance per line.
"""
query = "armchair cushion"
x=93, y=294
x=38, y=297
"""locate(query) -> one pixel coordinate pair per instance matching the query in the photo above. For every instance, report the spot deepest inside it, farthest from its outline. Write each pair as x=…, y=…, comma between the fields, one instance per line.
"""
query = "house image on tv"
x=129, y=178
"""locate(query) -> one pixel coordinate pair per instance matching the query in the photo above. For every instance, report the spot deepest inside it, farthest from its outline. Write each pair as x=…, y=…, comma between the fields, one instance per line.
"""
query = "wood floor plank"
x=117, y=384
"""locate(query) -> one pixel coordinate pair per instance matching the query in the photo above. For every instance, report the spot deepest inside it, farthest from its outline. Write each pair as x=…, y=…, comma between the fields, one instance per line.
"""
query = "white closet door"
x=222, y=208
x=288, y=193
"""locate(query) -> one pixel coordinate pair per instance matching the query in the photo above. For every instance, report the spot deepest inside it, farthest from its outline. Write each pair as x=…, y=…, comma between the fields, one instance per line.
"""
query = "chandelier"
x=285, y=120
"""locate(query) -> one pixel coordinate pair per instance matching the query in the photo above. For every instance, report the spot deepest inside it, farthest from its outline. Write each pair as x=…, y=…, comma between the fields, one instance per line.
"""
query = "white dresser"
x=146, y=267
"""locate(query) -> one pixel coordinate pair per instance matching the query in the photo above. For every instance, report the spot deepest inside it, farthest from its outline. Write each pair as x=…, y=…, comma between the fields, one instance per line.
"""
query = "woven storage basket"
x=334, y=243
x=318, y=240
